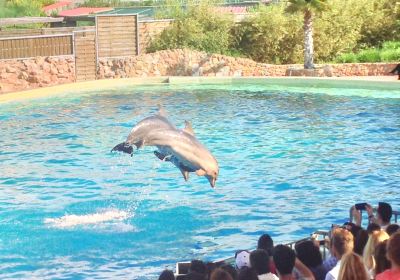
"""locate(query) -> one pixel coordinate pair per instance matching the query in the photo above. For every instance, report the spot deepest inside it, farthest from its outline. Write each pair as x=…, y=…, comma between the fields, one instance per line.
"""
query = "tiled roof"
x=83, y=11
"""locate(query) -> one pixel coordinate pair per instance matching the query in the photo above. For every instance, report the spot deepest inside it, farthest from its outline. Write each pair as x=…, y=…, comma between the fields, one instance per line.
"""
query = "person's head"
x=342, y=242
x=374, y=239
x=220, y=274
x=360, y=241
x=384, y=213
x=308, y=253
x=210, y=268
x=247, y=273
x=392, y=229
x=393, y=250
x=167, y=275
x=242, y=259
x=284, y=259
x=373, y=227
x=352, y=268
x=266, y=243
x=382, y=263
x=259, y=260
x=230, y=269
x=198, y=266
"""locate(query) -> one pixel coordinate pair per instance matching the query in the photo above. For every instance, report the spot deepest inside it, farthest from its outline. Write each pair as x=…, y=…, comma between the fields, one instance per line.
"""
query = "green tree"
x=308, y=8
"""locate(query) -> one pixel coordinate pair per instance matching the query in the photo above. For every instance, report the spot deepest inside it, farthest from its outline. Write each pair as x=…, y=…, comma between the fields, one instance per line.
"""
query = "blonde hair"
x=352, y=268
x=369, y=250
x=342, y=241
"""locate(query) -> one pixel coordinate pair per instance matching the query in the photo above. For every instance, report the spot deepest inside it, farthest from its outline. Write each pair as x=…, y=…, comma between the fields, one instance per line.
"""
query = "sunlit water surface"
x=290, y=161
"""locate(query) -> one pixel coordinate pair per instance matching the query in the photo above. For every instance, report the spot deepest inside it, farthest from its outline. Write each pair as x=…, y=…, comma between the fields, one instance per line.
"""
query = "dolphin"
x=182, y=149
x=137, y=136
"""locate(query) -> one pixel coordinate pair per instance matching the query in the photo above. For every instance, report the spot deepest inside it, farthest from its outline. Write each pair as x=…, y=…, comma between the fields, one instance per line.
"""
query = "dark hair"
x=392, y=228
x=354, y=229
x=167, y=275
x=393, y=248
x=384, y=211
x=247, y=273
x=230, y=269
x=308, y=253
x=210, y=268
x=382, y=263
x=284, y=259
x=198, y=266
x=373, y=227
x=220, y=274
x=265, y=242
x=259, y=260
x=360, y=241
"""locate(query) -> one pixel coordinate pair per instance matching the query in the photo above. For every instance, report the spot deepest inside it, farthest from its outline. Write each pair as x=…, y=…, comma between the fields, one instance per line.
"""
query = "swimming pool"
x=292, y=160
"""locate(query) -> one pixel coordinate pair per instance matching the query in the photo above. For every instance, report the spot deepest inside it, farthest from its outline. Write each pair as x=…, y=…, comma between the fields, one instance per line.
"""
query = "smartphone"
x=361, y=206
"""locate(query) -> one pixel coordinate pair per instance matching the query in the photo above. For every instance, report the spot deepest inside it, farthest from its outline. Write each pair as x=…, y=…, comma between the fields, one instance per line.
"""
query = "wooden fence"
x=85, y=55
x=117, y=35
x=6, y=33
x=45, y=45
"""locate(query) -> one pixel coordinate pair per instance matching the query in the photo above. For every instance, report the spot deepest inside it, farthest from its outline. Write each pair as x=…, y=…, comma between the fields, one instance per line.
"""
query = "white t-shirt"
x=333, y=274
x=268, y=276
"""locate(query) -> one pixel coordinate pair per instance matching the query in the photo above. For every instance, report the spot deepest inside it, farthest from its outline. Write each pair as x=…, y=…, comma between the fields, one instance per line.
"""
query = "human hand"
x=369, y=210
x=356, y=214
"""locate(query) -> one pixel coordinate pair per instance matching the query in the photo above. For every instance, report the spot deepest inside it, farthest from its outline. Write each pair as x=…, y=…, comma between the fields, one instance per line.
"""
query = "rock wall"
x=36, y=72
x=195, y=63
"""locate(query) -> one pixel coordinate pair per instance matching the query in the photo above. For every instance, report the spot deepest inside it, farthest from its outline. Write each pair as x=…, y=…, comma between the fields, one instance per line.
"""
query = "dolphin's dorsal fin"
x=161, y=111
x=188, y=128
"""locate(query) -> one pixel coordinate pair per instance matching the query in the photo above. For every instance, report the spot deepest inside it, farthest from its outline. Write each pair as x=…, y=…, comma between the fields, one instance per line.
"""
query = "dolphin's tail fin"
x=123, y=147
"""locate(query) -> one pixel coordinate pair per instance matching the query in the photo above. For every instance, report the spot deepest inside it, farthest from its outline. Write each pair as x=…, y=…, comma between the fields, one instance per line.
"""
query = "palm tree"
x=307, y=7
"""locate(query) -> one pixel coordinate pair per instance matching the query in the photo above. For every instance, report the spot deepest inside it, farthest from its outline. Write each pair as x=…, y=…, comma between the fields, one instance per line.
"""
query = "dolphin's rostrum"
x=180, y=147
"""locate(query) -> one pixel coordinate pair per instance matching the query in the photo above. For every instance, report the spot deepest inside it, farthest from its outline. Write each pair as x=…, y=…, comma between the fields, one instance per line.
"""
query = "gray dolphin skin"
x=137, y=136
x=180, y=147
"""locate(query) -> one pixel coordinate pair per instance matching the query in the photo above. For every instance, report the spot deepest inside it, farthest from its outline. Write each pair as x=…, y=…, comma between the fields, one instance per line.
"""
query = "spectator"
x=247, y=273
x=382, y=263
x=285, y=261
x=220, y=274
x=373, y=227
x=342, y=243
x=197, y=270
x=309, y=254
x=259, y=260
x=360, y=241
x=393, y=255
x=392, y=229
x=368, y=255
x=231, y=270
x=352, y=268
x=242, y=259
x=383, y=214
x=167, y=275
x=266, y=243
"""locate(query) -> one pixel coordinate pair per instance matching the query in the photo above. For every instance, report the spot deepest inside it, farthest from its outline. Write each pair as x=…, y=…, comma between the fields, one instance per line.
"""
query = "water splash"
x=88, y=219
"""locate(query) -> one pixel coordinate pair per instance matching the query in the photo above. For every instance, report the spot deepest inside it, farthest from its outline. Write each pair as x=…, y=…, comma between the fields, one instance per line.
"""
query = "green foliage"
x=196, y=27
x=304, y=5
x=390, y=52
x=101, y=3
x=271, y=36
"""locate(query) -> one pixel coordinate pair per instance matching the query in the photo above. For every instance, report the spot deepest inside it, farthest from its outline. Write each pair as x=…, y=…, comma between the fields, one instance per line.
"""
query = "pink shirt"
x=389, y=274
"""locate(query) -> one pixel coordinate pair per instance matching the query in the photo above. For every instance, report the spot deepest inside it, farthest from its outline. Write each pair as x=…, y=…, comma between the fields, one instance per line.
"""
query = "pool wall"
x=39, y=72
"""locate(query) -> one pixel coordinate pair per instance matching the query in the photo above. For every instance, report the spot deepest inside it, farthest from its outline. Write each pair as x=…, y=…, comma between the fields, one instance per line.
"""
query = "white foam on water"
x=89, y=219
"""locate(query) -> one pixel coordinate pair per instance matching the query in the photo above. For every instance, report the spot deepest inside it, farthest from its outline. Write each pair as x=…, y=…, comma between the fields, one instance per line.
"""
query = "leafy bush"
x=270, y=36
x=390, y=52
x=196, y=27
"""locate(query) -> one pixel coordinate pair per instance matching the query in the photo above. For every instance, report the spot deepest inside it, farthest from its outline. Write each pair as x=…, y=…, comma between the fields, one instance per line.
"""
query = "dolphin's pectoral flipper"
x=200, y=172
x=184, y=172
x=123, y=147
x=162, y=156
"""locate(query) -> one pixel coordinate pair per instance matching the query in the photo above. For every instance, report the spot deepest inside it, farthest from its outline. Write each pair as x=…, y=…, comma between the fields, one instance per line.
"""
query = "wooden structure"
x=85, y=55
x=113, y=36
x=117, y=36
x=31, y=46
x=29, y=20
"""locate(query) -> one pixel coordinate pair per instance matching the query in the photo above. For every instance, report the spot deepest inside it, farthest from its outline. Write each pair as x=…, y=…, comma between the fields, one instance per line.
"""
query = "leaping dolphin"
x=183, y=149
x=138, y=134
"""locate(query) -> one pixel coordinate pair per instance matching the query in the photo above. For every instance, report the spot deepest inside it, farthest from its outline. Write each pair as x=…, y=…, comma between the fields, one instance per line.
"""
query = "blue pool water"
x=292, y=160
